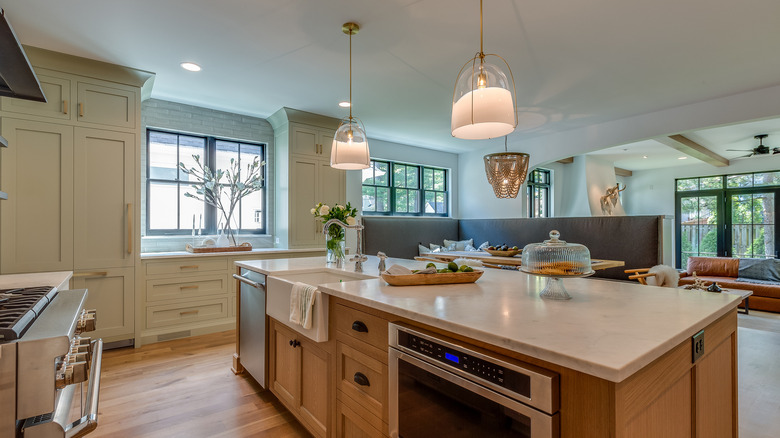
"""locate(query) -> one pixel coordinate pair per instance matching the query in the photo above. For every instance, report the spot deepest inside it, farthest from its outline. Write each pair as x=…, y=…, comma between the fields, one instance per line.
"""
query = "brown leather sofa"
x=724, y=271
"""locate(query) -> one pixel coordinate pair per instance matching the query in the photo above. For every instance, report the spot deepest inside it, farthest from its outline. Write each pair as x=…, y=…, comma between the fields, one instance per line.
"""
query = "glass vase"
x=335, y=242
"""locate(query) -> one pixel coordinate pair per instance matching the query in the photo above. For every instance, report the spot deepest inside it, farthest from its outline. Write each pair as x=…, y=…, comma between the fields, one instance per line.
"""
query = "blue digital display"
x=452, y=357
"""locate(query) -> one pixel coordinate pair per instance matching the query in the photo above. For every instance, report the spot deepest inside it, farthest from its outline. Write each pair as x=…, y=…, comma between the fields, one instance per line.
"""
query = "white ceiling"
x=576, y=63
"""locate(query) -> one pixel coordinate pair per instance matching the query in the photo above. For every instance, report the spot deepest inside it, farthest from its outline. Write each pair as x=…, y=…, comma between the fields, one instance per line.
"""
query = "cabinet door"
x=58, y=100
x=349, y=424
x=325, y=139
x=315, y=387
x=304, y=141
x=716, y=392
x=103, y=191
x=305, y=230
x=106, y=105
x=111, y=294
x=36, y=222
x=284, y=361
x=331, y=188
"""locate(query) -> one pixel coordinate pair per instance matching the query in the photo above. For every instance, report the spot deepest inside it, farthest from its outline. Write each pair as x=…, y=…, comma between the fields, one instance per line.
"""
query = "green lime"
x=430, y=265
x=452, y=267
x=442, y=271
x=468, y=269
x=463, y=268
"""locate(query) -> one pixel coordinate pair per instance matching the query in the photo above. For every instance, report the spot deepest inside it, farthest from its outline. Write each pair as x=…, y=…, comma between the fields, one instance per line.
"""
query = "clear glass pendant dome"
x=350, y=146
x=483, y=104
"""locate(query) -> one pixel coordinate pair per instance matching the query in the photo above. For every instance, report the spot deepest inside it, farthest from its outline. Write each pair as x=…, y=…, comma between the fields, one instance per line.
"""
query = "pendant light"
x=350, y=144
x=506, y=171
x=483, y=103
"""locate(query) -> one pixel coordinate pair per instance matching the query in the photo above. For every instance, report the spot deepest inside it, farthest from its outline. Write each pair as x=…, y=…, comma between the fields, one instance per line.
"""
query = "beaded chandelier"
x=506, y=172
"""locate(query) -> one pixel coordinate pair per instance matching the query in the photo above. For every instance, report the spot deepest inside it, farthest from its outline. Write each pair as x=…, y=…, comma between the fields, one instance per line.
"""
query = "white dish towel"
x=301, y=303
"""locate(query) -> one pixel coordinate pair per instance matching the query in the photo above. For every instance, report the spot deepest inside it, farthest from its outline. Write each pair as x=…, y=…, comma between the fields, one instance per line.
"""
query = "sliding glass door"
x=752, y=227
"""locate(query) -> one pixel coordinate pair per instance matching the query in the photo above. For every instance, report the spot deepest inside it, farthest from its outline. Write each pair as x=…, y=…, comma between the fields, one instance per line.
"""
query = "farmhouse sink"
x=278, y=288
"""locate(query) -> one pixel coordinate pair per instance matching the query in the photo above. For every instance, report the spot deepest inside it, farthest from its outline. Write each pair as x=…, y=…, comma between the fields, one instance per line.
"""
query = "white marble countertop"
x=609, y=329
x=56, y=279
x=255, y=251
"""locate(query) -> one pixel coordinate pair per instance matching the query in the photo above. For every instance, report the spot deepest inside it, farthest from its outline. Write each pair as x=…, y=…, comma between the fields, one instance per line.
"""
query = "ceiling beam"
x=566, y=160
x=619, y=171
x=695, y=150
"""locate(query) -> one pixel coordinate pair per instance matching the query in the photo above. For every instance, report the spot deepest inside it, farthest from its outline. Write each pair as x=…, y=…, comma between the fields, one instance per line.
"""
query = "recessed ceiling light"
x=683, y=158
x=644, y=156
x=190, y=66
x=345, y=104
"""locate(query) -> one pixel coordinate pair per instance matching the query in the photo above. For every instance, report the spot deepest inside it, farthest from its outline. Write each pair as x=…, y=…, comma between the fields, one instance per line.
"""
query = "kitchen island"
x=623, y=352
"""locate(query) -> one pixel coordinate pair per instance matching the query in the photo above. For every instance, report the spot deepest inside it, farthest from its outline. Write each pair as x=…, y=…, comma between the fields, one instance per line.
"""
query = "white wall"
x=477, y=201
x=385, y=150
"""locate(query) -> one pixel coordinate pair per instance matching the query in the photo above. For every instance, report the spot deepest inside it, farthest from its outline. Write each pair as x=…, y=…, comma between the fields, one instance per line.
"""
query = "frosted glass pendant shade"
x=350, y=146
x=483, y=105
x=506, y=172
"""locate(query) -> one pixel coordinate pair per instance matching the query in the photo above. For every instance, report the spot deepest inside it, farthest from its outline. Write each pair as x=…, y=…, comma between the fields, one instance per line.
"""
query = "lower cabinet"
x=299, y=375
x=111, y=294
x=350, y=423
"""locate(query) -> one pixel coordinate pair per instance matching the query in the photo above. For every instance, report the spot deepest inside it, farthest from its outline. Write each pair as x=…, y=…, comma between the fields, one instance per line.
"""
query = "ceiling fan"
x=760, y=149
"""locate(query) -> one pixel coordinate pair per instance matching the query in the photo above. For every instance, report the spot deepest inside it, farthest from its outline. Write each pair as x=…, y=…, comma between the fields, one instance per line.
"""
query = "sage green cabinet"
x=111, y=294
x=36, y=221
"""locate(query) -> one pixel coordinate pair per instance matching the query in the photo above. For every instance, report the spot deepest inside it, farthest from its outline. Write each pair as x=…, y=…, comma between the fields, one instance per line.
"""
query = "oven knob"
x=82, y=349
x=82, y=341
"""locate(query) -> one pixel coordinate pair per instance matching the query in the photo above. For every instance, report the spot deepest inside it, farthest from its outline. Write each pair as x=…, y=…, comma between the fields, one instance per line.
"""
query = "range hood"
x=17, y=78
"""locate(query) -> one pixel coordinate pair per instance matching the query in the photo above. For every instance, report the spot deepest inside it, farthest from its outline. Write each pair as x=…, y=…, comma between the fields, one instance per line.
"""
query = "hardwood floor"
x=184, y=388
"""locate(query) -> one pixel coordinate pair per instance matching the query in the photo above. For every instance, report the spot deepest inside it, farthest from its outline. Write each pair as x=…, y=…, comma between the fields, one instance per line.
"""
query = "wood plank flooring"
x=184, y=388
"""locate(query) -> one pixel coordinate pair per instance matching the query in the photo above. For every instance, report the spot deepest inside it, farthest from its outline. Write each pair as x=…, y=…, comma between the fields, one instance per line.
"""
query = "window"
x=538, y=193
x=391, y=188
x=727, y=215
x=168, y=211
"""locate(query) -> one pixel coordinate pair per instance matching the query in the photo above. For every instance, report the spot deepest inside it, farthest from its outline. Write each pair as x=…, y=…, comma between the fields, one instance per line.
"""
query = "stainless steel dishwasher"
x=251, y=323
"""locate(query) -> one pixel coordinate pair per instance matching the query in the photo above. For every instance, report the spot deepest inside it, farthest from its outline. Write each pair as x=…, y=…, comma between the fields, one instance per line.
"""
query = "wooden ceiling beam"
x=566, y=160
x=619, y=171
x=695, y=150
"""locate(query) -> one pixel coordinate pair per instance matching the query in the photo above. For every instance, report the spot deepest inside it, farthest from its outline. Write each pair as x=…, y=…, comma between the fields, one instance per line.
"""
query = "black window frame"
x=723, y=215
x=419, y=188
x=532, y=184
x=210, y=213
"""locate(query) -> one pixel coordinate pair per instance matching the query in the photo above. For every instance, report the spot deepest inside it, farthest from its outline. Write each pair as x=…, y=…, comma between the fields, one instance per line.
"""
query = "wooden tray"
x=509, y=253
x=428, y=279
x=246, y=246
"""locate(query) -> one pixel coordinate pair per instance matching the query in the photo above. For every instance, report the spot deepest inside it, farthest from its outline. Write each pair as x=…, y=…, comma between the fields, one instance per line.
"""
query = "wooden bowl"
x=509, y=253
x=428, y=279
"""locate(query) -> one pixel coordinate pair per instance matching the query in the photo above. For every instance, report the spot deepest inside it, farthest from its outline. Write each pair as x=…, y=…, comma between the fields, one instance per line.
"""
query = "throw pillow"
x=457, y=245
x=423, y=249
x=483, y=246
x=435, y=247
x=470, y=248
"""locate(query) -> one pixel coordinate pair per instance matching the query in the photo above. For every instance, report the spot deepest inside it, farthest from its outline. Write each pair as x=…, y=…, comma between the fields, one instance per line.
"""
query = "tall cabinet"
x=71, y=173
x=304, y=176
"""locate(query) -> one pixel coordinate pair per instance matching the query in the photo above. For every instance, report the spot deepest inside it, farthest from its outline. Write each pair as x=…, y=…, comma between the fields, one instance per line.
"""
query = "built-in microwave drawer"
x=172, y=314
x=192, y=265
x=194, y=287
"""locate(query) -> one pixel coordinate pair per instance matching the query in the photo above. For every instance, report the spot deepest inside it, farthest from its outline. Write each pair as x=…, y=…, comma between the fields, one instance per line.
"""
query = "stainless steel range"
x=46, y=364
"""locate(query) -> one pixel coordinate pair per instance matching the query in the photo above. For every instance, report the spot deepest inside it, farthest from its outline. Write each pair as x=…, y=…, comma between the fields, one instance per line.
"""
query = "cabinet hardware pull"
x=65, y=107
x=81, y=109
x=188, y=267
x=359, y=326
x=189, y=312
x=91, y=274
x=254, y=284
x=188, y=287
x=361, y=379
x=129, y=228
x=294, y=343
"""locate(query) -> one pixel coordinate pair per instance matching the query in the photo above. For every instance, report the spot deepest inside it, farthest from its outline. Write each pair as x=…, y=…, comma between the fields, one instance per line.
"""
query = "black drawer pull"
x=361, y=379
x=295, y=343
x=358, y=326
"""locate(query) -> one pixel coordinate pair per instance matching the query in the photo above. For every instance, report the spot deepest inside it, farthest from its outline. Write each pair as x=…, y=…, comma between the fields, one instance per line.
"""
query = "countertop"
x=609, y=329
x=256, y=251
x=56, y=279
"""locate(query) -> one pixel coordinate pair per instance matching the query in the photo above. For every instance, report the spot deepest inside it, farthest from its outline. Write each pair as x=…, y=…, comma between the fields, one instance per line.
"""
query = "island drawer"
x=363, y=326
x=363, y=379
x=353, y=420
x=175, y=288
x=191, y=265
x=173, y=314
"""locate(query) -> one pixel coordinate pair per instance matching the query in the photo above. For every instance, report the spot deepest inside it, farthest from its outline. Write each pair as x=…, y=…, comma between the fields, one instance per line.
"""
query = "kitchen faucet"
x=359, y=258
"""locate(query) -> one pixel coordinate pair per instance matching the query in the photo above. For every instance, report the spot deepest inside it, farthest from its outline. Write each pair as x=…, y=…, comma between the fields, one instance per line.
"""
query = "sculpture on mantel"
x=610, y=199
